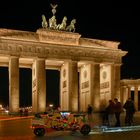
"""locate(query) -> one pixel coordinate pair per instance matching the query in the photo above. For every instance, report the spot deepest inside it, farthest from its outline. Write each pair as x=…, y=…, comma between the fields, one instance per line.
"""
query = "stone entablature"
x=18, y=35
x=58, y=37
x=67, y=46
x=98, y=43
x=130, y=82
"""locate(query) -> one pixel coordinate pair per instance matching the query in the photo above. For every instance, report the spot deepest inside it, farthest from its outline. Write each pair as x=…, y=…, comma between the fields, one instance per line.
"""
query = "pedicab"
x=42, y=124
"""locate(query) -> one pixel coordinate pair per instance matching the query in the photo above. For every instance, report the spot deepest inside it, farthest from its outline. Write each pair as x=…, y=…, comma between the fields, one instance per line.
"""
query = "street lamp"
x=51, y=105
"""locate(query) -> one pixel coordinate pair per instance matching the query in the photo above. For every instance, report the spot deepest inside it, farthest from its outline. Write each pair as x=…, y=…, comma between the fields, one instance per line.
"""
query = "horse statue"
x=52, y=23
x=63, y=25
x=71, y=27
x=44, y=22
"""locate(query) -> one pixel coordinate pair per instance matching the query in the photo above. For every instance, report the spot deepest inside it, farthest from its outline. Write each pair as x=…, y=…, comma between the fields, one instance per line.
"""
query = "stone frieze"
x=57, y=51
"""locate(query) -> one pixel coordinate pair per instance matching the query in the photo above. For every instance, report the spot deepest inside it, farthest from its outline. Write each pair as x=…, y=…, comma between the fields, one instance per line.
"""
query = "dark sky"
x=115, y=21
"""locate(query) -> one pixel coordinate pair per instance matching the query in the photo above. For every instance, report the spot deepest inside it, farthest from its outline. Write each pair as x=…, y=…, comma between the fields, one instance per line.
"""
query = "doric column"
x=136, y=97
x=115, y=81
x=129, y=91
x=64, y=87
x=14, y=84
x=121, y=94
x=39, y=85
x=73, y=85
x=124, y=94
x=95, y=86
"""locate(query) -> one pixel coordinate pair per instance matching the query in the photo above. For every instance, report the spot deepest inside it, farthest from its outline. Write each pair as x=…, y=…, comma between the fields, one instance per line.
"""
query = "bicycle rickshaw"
x=42, y=124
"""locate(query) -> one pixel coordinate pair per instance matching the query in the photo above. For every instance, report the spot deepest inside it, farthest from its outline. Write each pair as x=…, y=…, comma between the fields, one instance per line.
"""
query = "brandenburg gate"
x=89, y=68
x=97, y=62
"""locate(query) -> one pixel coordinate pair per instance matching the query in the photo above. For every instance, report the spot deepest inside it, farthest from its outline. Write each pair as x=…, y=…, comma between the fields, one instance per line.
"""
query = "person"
x=89, y=112
x=118, y=110
x=26, y=112
x=21, y=112
x=104, y=117
x=59, y=108
x=110, y=111
x=130, y=110
x=103, y=113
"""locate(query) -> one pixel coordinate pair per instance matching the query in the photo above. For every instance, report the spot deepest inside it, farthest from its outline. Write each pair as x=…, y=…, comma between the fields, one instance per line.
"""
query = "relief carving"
x=56, y=51
x=46, y=51
x=85, y=85
x=9, y=48
x=32, y=49
x=72, y=52
x=38, y=49
x=60, y=52
x=19, y=48
x=63, y=52
x=80, y=53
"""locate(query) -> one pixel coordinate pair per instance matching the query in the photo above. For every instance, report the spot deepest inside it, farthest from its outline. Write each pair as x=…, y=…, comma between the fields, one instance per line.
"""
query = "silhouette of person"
x=118, y=110
x=110, y=111
x=89, y=112
x=130, y=110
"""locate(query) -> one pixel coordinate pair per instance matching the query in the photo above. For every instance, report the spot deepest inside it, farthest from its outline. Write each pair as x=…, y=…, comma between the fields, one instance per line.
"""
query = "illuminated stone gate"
x=89, y=68
x=130, y=88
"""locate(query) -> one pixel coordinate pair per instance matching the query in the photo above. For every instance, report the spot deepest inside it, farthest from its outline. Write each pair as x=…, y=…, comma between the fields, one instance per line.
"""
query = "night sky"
x=98, y=19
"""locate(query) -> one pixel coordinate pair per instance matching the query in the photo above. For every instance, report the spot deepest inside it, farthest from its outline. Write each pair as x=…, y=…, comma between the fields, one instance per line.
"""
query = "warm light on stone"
x=97, y=61
x=126, y=87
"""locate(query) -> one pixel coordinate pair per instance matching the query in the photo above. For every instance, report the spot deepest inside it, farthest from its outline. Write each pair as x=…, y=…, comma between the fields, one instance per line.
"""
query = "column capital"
x=93, y=62
x=117, y=64
x=72, y=60
x=136, y=86
x=13, y=56
x=39, y=58
x=123, y=86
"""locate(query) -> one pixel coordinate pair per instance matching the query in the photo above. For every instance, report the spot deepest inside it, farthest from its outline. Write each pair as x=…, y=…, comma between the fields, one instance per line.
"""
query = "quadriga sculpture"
x=71, y=27
x=63, y=25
